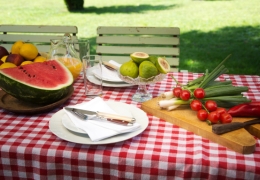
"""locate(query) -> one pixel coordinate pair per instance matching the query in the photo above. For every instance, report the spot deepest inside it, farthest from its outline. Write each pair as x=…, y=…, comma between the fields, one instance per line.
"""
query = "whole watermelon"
x=39, y=83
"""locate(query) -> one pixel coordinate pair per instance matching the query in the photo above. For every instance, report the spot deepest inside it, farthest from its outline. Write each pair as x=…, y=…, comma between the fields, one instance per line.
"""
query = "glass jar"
x=66, y=51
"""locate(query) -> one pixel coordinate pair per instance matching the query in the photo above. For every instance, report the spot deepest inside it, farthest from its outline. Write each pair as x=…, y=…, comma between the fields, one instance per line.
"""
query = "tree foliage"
x=74, y=5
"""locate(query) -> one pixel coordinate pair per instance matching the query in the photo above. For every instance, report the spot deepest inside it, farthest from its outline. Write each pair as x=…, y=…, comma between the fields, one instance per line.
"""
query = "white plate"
x=94, y=80
x=57, y=128
x=69, y=124
x=107, y=75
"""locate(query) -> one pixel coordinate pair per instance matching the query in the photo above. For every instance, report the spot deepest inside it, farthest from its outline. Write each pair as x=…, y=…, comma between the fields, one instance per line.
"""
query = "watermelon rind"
x=31, y=93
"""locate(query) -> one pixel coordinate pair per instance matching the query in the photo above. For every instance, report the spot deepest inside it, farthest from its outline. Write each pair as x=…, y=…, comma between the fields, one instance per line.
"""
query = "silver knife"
x=87, y=114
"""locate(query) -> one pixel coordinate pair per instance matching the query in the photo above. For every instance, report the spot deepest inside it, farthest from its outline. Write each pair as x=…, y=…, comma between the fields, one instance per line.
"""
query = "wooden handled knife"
x=224, y=128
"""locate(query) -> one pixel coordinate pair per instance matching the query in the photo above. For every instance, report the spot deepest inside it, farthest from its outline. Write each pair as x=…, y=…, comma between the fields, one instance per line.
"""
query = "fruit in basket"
x=144, y=66
x=28, y=51
x=39, y=83
x=3, y=52
x=147, y=69
x=3, y=59
x=139, y=57
x=7, y=65
x=40, y=59
x=153, y=59
x=15, y=49
x=16, y=59
x=26, y=62
x=130, y=69
x=162, y=65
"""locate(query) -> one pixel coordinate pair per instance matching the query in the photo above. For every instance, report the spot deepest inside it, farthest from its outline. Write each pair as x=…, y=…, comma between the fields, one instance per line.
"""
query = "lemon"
x=7, y=65
x=129, y=69
x=73, y=64
x=3, y=58
x=28, y=51
x=15, y=49
x=147, y=69
x=26, y=62
x=40, y=59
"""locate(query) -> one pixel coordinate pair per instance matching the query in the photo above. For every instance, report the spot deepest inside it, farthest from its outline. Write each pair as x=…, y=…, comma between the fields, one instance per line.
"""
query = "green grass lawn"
x=210, y=30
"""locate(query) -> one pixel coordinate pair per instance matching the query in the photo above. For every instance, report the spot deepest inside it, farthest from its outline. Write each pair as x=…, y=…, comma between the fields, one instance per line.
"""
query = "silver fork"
x=80, y=115
x=86, y=117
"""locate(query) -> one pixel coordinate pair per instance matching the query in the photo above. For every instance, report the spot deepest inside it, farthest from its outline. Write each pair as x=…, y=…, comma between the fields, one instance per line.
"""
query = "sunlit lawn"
x=210, y=30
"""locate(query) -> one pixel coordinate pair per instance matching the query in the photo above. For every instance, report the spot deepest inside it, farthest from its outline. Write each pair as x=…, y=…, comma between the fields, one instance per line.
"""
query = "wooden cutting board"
x=241, y=140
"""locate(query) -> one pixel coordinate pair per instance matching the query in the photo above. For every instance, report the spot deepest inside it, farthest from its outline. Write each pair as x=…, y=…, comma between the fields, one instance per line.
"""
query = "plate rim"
x=71, y=128
x=109, y=84
x=104, y=79
x=57, y=118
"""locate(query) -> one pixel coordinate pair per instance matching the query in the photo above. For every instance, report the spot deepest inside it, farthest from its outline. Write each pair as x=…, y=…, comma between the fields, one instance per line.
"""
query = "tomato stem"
x=209, y=122
x=176, y=81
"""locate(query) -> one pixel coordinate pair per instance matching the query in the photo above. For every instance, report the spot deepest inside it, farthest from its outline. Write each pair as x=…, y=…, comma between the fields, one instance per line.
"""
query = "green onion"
x=222, y=92
x=220, y=69
x=218, y=83
x=228, y=101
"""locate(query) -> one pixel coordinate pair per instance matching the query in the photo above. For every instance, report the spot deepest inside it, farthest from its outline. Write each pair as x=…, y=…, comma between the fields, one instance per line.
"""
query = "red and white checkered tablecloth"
x=29, y=150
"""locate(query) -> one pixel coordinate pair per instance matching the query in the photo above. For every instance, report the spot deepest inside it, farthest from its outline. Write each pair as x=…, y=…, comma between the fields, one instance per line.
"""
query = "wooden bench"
x=40, y=35
x=117, y=43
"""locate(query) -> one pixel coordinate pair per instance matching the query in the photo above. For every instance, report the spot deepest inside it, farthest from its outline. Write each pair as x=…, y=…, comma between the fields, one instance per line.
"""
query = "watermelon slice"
x=40, y=83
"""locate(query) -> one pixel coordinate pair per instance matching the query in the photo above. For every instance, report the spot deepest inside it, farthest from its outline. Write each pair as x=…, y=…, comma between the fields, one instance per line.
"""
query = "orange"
x=26, y=62
x=15, y=49
x=7, y=65
x=73, y=64
x=28, y=51
x=40, y=59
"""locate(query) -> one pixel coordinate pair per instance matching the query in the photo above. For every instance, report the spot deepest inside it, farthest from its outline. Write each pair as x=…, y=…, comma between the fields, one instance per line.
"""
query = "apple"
x=3, y=52
x=17, y=59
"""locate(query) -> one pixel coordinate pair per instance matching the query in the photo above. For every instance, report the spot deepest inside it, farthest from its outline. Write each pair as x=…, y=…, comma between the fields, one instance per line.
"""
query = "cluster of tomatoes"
x=208, y=111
